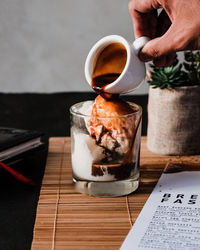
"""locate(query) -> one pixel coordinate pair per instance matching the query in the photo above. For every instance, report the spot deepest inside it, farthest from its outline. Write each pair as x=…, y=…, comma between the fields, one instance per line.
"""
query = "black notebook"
x=16, y=141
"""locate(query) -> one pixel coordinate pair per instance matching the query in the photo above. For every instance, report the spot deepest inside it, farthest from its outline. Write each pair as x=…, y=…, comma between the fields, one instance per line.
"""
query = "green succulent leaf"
x=174, y=76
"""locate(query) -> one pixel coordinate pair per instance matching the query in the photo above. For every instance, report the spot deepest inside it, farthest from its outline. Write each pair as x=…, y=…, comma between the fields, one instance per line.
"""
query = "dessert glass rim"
x=78, y=113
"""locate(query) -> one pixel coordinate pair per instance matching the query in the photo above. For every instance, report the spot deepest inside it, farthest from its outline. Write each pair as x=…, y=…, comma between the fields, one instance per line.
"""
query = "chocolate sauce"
x=108, y=66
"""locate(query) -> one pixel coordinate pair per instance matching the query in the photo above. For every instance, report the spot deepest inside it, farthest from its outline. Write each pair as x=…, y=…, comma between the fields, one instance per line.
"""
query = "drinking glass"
x=105, y=151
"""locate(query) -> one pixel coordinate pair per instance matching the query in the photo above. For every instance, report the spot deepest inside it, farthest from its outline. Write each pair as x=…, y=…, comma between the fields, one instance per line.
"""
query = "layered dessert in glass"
x=105, y=136
x=105, y=133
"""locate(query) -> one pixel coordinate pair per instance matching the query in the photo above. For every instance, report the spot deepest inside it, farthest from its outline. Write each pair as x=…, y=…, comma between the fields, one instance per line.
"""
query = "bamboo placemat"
x=68, y=220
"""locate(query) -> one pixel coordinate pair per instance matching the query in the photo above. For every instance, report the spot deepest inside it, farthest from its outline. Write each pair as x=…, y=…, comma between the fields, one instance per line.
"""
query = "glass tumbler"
x=105, y=151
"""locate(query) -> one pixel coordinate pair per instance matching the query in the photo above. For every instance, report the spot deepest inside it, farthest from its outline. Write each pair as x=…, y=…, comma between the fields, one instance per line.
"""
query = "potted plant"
x=174, y=108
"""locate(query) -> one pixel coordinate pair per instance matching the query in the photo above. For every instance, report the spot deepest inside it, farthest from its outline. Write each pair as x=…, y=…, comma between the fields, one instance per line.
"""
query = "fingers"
x=143, y=6
x=169, y=59
x=172, y=41
x=164, y=61
x=144, y=18
x=167, y=38
x=194, y=44
x=145, y=24
x=163, y=23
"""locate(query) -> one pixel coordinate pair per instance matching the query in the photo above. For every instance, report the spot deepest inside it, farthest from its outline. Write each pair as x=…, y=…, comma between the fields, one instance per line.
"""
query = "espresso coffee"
x=108, y=66
x=100, y=82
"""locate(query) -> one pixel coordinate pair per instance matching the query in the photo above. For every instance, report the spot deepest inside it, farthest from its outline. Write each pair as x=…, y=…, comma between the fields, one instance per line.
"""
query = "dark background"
x=48, y=113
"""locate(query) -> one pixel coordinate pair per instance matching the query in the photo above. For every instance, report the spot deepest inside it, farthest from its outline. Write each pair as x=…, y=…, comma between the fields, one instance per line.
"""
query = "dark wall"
x=49, y=113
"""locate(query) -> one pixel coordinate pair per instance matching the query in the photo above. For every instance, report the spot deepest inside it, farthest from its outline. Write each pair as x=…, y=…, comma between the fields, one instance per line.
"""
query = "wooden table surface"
x=68, y=220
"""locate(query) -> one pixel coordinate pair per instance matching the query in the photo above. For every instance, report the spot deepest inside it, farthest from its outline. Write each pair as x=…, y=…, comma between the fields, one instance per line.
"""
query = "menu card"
x=170, y=219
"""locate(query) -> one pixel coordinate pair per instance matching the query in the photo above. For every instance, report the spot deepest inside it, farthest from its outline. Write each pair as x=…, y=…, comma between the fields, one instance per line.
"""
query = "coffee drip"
x=108, y=66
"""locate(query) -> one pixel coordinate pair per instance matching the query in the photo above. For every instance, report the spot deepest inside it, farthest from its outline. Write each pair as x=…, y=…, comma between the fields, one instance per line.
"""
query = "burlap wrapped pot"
x=174, y=121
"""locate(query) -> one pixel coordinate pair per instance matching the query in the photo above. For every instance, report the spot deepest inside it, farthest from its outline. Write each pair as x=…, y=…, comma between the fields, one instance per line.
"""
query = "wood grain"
x=68, y=220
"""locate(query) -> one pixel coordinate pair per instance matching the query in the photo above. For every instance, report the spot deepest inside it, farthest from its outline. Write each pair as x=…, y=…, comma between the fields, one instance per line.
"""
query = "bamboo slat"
x=68, y=220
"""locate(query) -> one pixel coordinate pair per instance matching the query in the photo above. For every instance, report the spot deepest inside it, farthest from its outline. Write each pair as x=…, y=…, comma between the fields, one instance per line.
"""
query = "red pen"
x=16, y=174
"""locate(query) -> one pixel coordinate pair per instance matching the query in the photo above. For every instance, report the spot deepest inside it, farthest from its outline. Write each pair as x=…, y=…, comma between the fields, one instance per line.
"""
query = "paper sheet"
x=170, y=218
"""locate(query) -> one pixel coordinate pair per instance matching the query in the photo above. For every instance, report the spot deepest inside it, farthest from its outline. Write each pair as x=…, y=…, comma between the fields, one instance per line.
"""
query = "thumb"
x=160, y=46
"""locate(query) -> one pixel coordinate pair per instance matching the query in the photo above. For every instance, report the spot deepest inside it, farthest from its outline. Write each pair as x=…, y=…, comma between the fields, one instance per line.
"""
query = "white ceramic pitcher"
x=134, y=71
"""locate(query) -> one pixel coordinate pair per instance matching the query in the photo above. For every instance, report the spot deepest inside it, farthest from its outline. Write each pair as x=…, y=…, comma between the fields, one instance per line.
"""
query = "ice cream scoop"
x=111, y=123
x=110, y=106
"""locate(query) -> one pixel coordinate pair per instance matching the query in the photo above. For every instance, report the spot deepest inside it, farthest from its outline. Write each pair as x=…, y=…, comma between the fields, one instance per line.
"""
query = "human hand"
x=177, y=28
